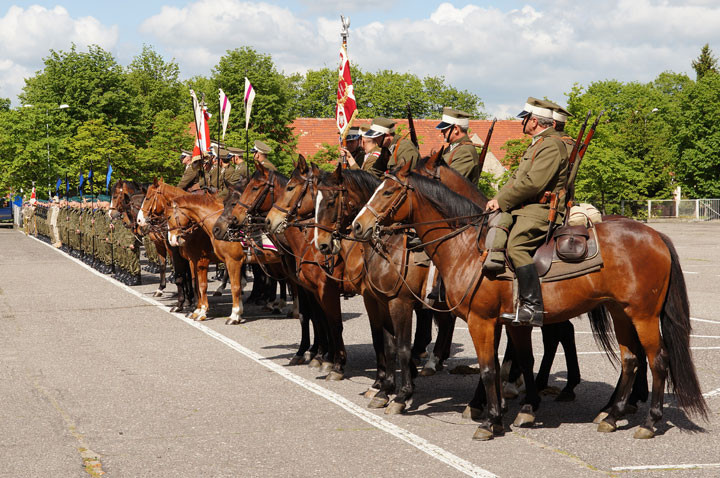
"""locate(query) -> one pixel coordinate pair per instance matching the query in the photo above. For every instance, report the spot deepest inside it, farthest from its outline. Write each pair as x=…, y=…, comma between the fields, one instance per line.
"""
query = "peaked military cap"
x=534, y=106
x=379, y=127
x=260, y=147
x=451, y=117
x=184, y=153
x=559, y=113
x=353, y=133
x=234, y=152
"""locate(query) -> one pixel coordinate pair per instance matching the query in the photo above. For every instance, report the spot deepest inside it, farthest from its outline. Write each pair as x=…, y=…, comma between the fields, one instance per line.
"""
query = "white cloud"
x=27, y=35
x=502, y=55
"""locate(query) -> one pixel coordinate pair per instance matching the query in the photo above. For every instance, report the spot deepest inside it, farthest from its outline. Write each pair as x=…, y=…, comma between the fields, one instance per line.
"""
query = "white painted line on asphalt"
x=416, y=441
x=714, y=393
x=717, y=322
x=690, y=272
x=665, y=467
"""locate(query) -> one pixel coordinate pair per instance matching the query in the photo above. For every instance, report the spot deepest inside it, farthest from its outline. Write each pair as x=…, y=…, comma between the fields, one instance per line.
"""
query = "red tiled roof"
x=313, y=132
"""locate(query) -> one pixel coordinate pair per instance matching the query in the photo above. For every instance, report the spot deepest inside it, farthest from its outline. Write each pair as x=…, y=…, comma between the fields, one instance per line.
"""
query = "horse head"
x=295, y=203
x=391, y=202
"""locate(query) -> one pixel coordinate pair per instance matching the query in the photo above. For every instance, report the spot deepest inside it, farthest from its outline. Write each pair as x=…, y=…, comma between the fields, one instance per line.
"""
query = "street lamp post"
x=47, y=141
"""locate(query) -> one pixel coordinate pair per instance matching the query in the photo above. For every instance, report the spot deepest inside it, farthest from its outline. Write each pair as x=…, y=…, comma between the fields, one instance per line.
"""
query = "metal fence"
x=684, y=209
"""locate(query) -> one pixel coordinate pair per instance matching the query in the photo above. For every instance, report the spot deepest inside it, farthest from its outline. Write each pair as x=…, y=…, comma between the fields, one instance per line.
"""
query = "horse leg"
x=201, y=271
x=375, y=316
x=179, y=264
x=567, y=339
x=258, y=283
x=232, y=271
x=629, y=349
x=485, y=339
x=331, y=306
x=522, y=340
x=303, y=355
x=551, y=340
x=401, y=312
x=162, y=257
x=320, y=344
x=510, y=372
x=223, y=276
x=423, y=332
x=441, y=351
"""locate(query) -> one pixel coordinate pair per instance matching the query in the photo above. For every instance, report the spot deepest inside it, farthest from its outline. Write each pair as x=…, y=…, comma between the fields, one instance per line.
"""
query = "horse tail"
x=600, y=321
x=675, y=326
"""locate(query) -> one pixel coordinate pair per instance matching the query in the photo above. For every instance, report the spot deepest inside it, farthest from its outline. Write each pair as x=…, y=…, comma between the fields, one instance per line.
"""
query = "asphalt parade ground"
x=97, y=378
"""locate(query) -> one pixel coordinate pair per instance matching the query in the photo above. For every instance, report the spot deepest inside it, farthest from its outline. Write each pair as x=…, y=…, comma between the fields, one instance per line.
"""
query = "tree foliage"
x=705, y=63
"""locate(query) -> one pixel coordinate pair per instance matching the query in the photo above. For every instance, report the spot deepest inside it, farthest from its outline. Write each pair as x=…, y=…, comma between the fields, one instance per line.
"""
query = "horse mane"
x=196, y=199
x=281, y=178
x=449, y=203
x=361, y=181
x=440, y=163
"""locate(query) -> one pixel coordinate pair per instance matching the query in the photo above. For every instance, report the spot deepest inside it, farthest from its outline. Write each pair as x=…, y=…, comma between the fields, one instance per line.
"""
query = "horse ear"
x=337, y=174
x=405, y=169
x=302, y=164
x=315, y=169
x=432, y=161
x=155, y=181
x=259, y=166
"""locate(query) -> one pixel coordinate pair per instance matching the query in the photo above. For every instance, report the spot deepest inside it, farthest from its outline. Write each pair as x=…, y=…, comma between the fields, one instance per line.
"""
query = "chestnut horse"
x=191, y=211
x=127, y=198
x=196, y=247
x=641, y=284
x=247, y=210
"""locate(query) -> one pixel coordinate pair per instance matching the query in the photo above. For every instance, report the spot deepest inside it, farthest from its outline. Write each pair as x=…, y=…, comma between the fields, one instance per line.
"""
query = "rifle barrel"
x=486, y=146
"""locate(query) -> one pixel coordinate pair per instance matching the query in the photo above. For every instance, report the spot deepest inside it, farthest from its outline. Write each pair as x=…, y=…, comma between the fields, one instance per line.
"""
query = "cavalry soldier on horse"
x=191, y=176
x=540, y=177
x=353, y=153
x=382, y=134
x=260, y=152
x=461, y=154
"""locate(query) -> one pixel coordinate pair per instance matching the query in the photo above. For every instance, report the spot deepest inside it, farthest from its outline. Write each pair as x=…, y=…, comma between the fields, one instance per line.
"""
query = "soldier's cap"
x=451, y=117
x=379, y=127
x=185, y=153
x=230, y=152
x=559, y=113
x=260, y=147
x=534, y=106
x=353, y=133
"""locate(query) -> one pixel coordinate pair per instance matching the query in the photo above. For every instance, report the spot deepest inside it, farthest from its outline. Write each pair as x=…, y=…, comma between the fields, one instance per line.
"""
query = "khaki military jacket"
x=190, y=177
x=402, y=150
x=369, y=163
x=542, y=168
x=236, y=172
x=268, y=165
x=463, y=157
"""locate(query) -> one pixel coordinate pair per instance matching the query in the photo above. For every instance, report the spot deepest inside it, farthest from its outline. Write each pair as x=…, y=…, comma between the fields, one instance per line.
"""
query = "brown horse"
x=196, y=248
x=389, y=275
x=312, y=271
x=202, y=210
x=246, y=210
x=645, y=292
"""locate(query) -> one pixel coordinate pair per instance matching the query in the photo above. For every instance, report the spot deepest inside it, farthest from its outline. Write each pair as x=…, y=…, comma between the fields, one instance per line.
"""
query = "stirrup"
x=526, y=315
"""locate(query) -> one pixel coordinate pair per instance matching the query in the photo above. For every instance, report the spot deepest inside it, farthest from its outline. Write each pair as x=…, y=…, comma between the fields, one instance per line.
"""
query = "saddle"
x=571, y=245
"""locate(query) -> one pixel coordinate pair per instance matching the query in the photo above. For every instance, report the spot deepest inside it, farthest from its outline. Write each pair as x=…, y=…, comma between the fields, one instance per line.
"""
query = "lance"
x=220, y=113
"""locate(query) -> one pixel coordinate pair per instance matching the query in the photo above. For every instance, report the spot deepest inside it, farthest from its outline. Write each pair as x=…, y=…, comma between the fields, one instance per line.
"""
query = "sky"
x=503, y=51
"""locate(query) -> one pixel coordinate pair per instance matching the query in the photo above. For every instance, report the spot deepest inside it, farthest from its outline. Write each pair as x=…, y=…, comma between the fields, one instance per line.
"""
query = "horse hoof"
x=193, y=316
x=230, y=321
x=315, y=363
x=326, y=366
x=643, y=433
x=427, y=372
x=472, y=413
x=371, y=392
x=158, y=293
x=201, y=317
x=308, y=356
x=483, y=434
x=175, y=309
x=605, y=427
x=565, y=396
x=334, y=376
x=600, y=417
x=395, y=408
x=378, y=402
x=297, y=360
x=524, y=420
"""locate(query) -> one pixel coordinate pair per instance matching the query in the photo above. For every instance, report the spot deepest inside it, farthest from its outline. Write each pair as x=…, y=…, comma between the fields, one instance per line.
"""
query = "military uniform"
x=190, y=177
x=371, y=164
x=402, y=151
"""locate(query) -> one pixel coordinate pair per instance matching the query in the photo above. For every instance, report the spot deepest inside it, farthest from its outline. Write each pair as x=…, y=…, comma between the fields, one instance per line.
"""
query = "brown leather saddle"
x=569, y=244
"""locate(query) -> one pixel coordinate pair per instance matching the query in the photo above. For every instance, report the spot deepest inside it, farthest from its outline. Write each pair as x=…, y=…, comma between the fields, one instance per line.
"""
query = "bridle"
x=251, y=210
x=308, y=181
x=395, y=205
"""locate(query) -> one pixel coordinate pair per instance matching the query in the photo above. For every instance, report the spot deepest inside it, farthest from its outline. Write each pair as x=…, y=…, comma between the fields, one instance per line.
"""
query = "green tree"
x=171, y=134
x=94, y=145
x=698, y=139
x=91, y=82
x=154, y=86
x=315, y=93
x=705, y=63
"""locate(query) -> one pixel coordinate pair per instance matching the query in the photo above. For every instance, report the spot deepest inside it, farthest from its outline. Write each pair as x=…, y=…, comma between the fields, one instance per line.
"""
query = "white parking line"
x=664, y=467
x=416, y=441
x=714, y=393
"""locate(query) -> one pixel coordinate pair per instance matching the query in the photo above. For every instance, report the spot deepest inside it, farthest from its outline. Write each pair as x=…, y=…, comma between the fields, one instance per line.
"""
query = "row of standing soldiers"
x=82, y=228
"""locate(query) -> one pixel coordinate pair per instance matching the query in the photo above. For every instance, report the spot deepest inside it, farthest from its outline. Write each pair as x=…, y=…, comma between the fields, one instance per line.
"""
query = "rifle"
x=581, y=152
x=411, y=125
x=486, y=146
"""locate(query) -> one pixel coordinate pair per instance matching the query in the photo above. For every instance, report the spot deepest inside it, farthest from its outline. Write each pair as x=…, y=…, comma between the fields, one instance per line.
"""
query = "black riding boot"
x=530, y=310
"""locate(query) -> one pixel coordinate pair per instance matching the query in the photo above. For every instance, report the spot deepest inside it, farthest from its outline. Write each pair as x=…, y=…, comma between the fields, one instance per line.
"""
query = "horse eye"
x=255, y=188
x=290, y=188
x=387, y=193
